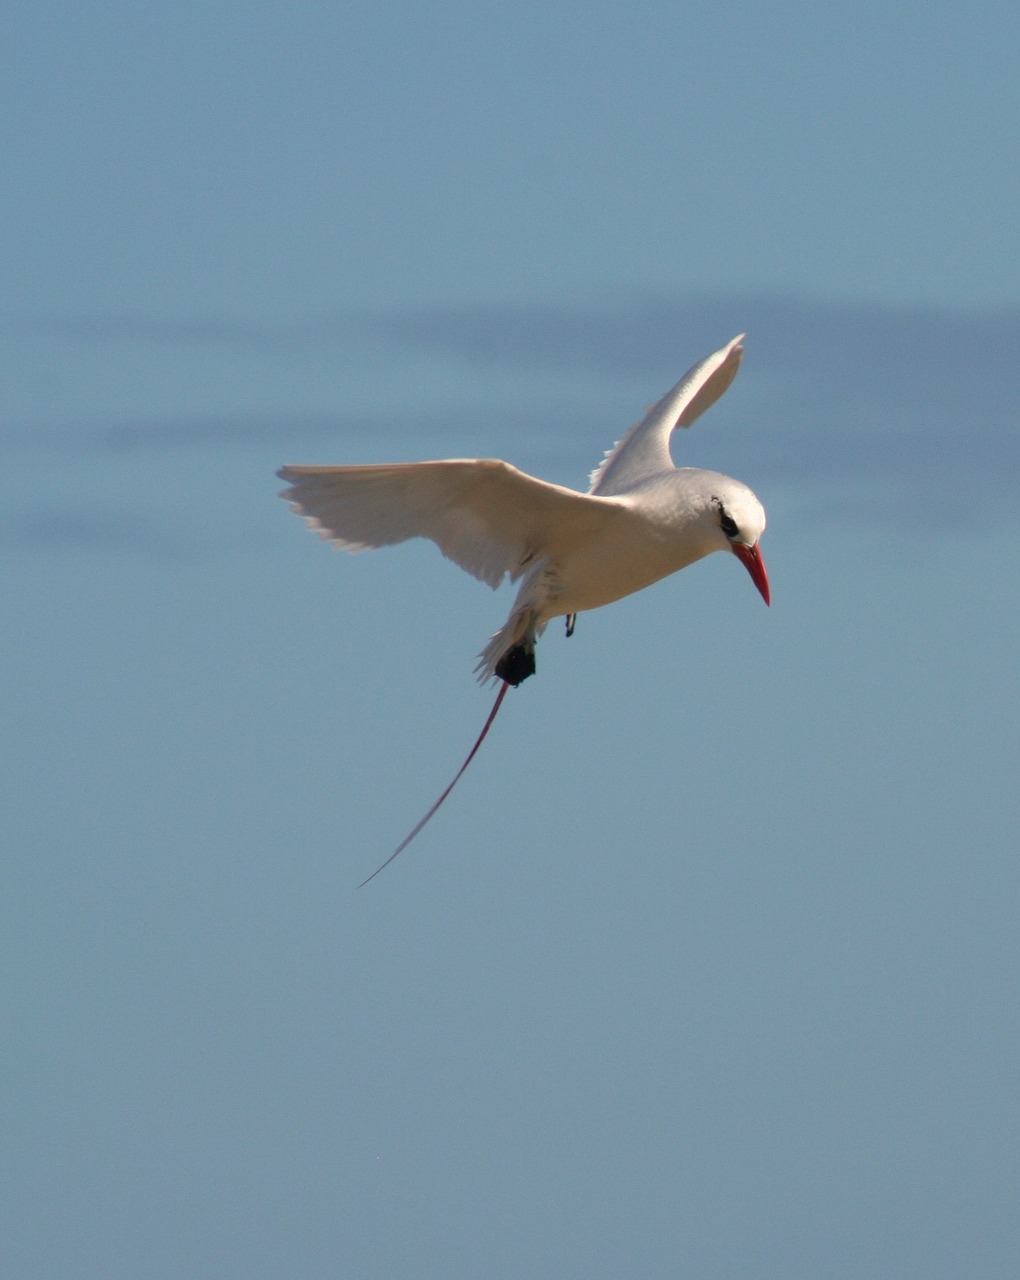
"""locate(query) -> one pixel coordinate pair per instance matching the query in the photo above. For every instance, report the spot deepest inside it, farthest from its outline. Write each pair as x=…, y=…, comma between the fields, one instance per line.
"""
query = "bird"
x=642, y=519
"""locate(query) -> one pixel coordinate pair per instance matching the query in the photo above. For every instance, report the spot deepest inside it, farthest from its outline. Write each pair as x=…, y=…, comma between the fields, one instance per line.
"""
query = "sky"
x=709, y=966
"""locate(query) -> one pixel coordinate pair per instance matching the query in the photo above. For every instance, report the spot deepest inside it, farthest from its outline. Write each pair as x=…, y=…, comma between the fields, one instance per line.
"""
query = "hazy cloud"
x=93, y=529
x=848, y=357
x=859, y=413
x=115, y=329
x=641, y=336
x=922, y=404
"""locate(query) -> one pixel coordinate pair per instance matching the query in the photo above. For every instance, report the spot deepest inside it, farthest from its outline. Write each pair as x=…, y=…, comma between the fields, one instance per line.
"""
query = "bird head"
x=741, y=522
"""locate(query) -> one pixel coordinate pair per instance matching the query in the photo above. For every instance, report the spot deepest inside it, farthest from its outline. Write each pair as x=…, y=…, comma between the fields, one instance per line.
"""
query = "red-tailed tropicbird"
x=642, y=519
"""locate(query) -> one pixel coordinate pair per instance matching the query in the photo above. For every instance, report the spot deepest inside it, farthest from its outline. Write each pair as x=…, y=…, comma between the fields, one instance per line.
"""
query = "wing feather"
x=644, y=450
x=485, y=515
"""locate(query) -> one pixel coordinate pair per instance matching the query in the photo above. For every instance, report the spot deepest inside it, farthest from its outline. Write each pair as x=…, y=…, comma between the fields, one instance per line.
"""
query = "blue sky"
x=709, y=967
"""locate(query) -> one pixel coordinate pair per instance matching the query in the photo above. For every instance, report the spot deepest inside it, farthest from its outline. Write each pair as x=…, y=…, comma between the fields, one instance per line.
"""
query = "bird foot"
x=516, y=664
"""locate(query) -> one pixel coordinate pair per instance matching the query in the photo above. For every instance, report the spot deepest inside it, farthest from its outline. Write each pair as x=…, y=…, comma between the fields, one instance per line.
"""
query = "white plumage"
x=643, y=518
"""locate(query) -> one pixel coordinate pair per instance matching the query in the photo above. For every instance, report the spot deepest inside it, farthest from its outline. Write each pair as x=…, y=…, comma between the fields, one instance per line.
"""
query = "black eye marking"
x=726, y=521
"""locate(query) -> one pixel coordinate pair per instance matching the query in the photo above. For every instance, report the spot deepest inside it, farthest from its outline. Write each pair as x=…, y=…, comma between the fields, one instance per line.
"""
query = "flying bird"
x=642, y=519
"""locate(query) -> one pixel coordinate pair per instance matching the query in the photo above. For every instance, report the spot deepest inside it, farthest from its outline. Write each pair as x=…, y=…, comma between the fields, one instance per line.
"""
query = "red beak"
x=750, y=558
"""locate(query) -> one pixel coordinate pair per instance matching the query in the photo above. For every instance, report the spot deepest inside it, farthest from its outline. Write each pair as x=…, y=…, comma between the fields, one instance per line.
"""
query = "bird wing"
x=483, y=514
x=644, y=450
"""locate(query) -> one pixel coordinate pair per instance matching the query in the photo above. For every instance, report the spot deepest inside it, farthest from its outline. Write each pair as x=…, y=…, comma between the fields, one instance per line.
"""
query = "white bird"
x=642, y=519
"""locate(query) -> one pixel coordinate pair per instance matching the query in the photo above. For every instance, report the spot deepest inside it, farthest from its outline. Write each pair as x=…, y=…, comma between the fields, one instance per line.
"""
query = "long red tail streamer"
x=471, y=755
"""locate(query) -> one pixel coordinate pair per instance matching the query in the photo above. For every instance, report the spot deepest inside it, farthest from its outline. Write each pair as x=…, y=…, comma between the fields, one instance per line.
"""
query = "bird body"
x=642, y=519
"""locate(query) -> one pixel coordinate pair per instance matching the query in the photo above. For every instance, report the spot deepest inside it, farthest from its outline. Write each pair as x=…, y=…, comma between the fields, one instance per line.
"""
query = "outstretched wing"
x=644, y=450
x=483, y=514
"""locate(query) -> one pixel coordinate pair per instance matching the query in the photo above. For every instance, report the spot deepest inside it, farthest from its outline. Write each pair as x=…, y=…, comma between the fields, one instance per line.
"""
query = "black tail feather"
x=517, y=664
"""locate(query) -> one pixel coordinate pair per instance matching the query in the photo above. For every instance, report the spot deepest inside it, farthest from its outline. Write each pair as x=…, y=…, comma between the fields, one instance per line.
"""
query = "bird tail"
x=510, y=654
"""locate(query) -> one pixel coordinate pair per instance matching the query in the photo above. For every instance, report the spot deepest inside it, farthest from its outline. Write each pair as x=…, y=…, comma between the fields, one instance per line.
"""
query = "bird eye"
x=726, y=522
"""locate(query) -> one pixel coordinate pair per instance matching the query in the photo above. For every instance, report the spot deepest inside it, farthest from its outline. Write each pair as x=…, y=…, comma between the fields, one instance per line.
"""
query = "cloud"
x=919, y=403
x=94, y=529
x=921, y=360
x=899, y=415
x=106, y=330
x=640, y=335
